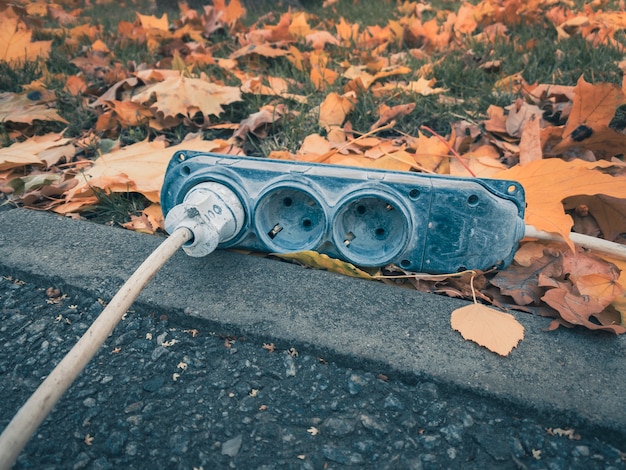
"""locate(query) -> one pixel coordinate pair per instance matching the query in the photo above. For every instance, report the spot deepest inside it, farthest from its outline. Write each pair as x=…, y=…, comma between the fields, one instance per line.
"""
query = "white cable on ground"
x=598, y=245
x=38, y=406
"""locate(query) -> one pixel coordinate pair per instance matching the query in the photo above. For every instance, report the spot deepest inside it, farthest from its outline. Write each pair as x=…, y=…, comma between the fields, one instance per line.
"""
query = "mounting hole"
x=405, y=263
x=181, y=157
x=414, y=194
x=461, y=269
x=511, y=189
x=472, y=200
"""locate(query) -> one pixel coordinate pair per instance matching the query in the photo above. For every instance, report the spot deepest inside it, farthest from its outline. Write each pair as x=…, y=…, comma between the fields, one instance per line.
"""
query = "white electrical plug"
x=212, y=212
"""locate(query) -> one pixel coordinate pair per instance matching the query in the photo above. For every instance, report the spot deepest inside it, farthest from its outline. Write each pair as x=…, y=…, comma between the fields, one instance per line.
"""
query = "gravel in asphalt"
x=173, y=394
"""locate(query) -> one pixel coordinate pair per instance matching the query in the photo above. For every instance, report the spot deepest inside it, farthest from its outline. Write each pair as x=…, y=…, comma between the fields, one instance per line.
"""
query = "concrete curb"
x=575, y=373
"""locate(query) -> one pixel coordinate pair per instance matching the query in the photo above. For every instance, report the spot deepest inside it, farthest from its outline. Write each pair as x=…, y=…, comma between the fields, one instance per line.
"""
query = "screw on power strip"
x=423, y=223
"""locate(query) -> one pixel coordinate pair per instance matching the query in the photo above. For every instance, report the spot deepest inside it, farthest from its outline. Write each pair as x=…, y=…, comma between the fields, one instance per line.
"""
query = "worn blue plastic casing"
x=369, y=217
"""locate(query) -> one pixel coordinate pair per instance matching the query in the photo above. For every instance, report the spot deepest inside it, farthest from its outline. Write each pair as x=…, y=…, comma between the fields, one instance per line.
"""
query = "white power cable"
x=211, y=214
x=38, y=406
x=598, y=245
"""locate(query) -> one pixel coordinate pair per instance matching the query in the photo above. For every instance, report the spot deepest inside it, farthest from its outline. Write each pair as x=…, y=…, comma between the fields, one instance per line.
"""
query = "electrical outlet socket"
x=290, y=218
x=422, y=223
x=371, y=228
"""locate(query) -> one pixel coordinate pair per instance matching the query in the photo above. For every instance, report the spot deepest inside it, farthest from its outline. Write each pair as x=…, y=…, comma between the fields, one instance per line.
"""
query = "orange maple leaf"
x=547, y=182
x=593, y=108
x=138, y=168
x=187, y=96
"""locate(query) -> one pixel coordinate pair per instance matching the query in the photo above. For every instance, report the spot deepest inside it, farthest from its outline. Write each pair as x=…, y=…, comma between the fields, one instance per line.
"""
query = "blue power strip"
x=369, y=217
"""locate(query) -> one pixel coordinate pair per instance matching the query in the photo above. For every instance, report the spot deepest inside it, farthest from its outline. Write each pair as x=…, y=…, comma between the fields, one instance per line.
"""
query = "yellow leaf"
x=136, y=168
x=231, y=12
x=399, y=161
x=299, y=27
x=16, y=45
x=34, y=151
x=317, y=260
x=322, y=77
x=153, y=22
x=497, y=331
x=333, y=111
x=186, y=96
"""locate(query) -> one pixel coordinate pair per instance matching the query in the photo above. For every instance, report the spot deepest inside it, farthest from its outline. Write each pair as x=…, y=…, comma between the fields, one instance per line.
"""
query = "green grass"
x=115, y=208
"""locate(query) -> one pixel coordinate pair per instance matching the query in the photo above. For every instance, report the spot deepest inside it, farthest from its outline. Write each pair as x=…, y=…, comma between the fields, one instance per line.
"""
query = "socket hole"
x=287, y=202
x=185, y=170
x=472, y=200
x=275, y=231
x=405, y=263
x=380, y=233
x=306, y=223
x=348, y=239
x=361, y=209
x=461, y=269
x=414, y=193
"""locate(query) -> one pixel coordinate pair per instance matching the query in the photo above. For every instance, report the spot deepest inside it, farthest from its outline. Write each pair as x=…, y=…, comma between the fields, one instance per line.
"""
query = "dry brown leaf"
x=401, y=162
x=518, y=114
x=333, y=111
x=319, y=39
x=35, y=151
x=604, y=288
x=28, y=107
x=497, y=120
x=422, y=86
x=497, y=331
x=578, y=309
x=317, y=260
x=530, y=148
x=135, y=168
x=431, y=154
x=232, y=12
x=265, y=50
x=387, y=113
x=314, y=148
x=521, y=282
x=129, y=113
x=322, y=77
x=483, y=161
x=609, y=212
x=257, y=123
